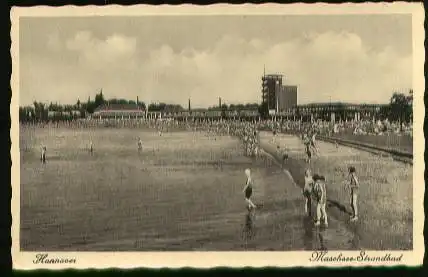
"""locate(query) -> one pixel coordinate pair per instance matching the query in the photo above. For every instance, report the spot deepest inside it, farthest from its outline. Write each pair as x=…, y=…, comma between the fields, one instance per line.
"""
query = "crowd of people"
x=315, y=188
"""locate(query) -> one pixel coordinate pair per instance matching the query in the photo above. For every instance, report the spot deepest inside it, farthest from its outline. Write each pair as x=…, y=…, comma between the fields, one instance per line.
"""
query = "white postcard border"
x=84, y=260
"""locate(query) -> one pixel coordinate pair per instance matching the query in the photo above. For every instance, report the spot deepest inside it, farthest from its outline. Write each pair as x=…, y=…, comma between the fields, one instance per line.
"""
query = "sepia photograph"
x=217, y=133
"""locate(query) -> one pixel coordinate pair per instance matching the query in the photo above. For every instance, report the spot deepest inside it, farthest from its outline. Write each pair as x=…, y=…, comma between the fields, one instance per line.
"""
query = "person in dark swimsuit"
x=248, y=190
x=43, y=155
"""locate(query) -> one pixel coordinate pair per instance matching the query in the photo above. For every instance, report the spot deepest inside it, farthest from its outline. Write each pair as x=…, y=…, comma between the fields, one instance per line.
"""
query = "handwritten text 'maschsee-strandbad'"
x=324, y=256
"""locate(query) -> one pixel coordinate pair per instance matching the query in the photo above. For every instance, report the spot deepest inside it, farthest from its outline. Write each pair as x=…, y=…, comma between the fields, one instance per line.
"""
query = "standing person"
x=282, y=154
x=140, y=145
x=308, y=152
x=313, y=144
x=91, y=147
x=354, y=185
x=320, y=195
x=273, y=135
x=307, y=191
x=43, y=154
x=248, y=190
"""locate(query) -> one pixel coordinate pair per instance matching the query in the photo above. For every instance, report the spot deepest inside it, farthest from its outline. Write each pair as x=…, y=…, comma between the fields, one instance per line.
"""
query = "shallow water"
x=182, y=192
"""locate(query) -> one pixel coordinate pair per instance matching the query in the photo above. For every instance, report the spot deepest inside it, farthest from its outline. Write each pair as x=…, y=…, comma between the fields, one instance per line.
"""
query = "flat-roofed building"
x=119, y=111
x=286, y=98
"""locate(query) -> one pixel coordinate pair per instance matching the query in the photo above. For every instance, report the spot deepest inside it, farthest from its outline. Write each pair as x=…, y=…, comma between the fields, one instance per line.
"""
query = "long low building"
x=324, y=111
x=334, y=111
x=119, y=111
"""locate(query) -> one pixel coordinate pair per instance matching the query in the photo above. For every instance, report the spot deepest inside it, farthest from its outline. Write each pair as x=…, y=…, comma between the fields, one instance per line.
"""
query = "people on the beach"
x=248, y=190
x=320, y=195
x=353, y=185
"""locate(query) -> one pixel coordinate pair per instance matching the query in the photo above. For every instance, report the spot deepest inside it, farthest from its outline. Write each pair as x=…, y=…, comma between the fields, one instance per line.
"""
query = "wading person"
x=248, y=190
x=307, y=191
x=43, y=154
x=353, y=184
x=282, y=155
x=308, y=152
x=91, y=147
x=313, y=143
x=320, y=195
x=140, y=145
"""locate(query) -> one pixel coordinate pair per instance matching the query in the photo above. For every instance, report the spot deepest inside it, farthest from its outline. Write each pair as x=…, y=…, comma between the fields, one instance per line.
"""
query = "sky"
x=350, y=58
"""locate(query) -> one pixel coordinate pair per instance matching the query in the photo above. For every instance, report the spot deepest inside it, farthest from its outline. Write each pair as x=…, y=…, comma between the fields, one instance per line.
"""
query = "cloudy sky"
x=353, y=58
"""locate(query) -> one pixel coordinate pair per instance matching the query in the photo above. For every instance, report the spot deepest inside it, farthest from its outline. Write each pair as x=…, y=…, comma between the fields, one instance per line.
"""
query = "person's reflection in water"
x=308, y=235
x=321, y=235
x=355, y=240
x=248, y=228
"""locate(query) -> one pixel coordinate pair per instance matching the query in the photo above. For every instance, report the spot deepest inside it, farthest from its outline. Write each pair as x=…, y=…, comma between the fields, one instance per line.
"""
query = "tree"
x=401, y=107
x=263, y=110
x=99, y=99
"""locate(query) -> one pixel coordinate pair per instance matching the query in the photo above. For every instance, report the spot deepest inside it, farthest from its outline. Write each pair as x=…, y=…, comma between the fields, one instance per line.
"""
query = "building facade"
x=334, y=112
x=271, y=88
x=276, y=96
x=119, y=111
x=286, y=99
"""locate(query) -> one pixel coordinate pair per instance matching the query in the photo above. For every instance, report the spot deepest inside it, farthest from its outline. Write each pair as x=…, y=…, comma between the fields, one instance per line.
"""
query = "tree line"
x=400, y=108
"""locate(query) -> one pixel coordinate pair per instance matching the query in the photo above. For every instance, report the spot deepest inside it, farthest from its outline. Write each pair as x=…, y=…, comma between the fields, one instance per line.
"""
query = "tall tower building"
x=271, y=88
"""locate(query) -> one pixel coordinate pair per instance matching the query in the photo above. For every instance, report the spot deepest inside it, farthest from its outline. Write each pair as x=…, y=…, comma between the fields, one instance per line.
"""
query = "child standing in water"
x=354, y=185
x=320, y=194
x=307, y=191
x=248, y=190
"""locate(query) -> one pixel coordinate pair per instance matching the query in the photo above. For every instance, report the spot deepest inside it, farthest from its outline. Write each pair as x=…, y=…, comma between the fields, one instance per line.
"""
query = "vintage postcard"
x=223, y=135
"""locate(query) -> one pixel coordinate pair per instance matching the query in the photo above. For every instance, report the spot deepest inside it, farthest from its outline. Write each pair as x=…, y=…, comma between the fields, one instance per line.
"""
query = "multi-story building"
x=271, y=88
x=276, y=96
x=286, y=99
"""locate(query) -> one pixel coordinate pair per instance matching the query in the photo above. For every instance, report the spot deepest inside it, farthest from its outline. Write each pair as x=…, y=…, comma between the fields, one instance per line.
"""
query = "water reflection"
x=308, y=234
x=248, y=231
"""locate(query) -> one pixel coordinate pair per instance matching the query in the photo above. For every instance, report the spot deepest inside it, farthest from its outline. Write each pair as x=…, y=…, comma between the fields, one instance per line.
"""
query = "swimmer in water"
x=248, y=190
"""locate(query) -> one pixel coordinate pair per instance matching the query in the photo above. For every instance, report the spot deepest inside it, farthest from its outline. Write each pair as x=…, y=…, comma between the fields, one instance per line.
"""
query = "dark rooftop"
x=119, y=107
